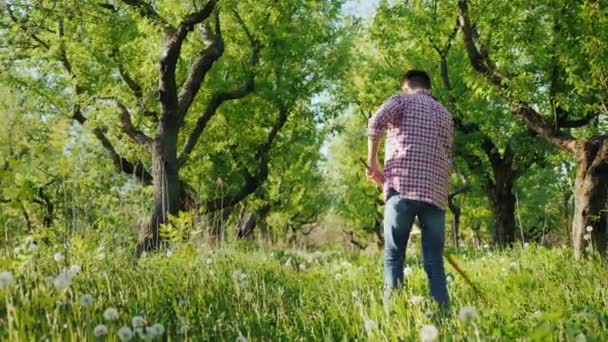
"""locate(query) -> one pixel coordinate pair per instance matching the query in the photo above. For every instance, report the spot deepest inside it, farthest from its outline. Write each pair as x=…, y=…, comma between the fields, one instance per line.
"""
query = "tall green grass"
x=233, y=293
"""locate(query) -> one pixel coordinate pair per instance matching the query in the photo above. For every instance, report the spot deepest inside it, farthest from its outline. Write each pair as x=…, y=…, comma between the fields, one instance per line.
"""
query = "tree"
x=551, y=58
x=111, y=72
x=489, y=142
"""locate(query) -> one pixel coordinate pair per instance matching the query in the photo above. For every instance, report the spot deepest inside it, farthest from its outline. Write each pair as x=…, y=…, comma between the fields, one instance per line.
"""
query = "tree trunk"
x=249, y=221
x=167, y=190
x=590, y=196
x=503, y=204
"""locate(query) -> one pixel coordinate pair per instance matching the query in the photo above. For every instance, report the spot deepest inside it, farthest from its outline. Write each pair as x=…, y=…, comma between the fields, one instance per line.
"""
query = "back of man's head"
x=416, y=79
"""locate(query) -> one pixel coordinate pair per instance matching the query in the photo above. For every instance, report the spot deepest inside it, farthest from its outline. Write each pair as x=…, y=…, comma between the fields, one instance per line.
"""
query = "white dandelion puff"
x=467, y=313
x=355, y=294
x=75, y=269
x=512, y=265
x=100, y=330
x=208, y=261
x=338, y=276
x=537, y=314
x=370, y=325
x=580, y=338
x=62, y=281
x=416, y=300
x=111, y=314
x=587, y=236
x=184, y=328
x=6, y=279
x=158, y=329
x=125, y=334
x=138, y=322
x=407, y=271
x=169, y=253
x=58, y=257
x=241, y=338
x=589, y=229
x=526, y=245
x=86, y=300
x=429, y=333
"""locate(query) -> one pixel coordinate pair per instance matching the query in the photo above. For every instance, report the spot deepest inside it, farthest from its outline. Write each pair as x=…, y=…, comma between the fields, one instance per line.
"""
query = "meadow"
x=96, y=290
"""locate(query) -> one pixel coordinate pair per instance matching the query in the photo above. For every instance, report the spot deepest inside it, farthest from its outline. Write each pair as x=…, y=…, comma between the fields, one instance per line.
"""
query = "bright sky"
x=361, y=8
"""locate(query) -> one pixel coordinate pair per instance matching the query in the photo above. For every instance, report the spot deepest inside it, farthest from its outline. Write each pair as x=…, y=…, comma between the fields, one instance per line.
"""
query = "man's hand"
x=374, y=174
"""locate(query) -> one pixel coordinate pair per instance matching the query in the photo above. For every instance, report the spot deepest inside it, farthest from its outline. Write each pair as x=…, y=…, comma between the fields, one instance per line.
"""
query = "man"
x=415, y=178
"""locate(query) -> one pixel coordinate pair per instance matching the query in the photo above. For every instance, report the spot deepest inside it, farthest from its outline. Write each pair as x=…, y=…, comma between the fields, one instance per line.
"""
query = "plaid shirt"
x=420, y=131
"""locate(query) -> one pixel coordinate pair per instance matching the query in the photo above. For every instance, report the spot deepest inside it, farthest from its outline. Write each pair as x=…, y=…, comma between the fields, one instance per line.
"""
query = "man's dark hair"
x=417, y=79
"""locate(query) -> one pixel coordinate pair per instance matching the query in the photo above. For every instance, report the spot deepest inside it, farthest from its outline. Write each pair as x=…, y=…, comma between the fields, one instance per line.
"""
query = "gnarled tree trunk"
x=250, y=220
x=590, y=197
x=167, y=194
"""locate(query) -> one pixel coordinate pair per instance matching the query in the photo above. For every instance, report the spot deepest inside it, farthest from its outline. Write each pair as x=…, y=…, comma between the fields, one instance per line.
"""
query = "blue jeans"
x=399, y=214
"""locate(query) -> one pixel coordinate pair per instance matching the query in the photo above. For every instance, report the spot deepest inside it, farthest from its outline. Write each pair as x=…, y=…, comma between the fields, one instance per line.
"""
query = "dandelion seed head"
x=526, y=245
x=208, y=261
x=241, y=339
x=86, y=300
x=62, y=281
x=416, y=300
x=58, y=257
x=370, y=325
x=467, y=313
x=355, y=294
x=138, y=322
x=338, y=276
x=158, y=329
x=184, y=327
x=125, y=334
x=589, y=229
x=75, y=269
x=587, y=237
x=580, y=338
x=6, y=279
x=100, y=330
x=429, y=333
x=169, y=253
x=537, y=314
x=111, y=314
x=512, y=265
x=407, y=271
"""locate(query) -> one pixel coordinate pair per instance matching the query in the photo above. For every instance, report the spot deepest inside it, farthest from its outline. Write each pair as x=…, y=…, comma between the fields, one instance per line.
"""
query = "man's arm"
x=376, y=129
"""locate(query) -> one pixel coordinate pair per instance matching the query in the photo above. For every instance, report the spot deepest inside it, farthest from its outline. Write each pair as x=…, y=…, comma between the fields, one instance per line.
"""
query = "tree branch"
x=217, y=100
x=127, y=125
x=147, y=11
x=482, y=64
x=252, y=181
x=198, y=70
x=563, y=122
x=136, y=169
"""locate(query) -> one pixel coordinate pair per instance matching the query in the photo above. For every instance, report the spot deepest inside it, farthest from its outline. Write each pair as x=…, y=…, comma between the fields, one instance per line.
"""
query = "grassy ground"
x=251, y=294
